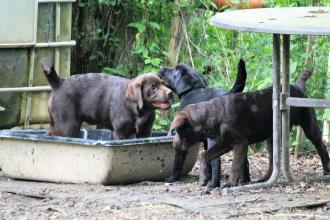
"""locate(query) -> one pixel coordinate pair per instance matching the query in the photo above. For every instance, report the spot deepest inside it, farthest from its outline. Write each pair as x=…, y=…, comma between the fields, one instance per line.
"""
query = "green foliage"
x=152, y=21
x=326, y=114
x=213, y=51
x=221, y=49
x=161, y=122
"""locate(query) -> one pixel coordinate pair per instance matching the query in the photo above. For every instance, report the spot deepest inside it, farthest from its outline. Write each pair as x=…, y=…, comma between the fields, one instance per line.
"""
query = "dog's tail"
x=240, y=78
x=302, y=79
x=52, y=77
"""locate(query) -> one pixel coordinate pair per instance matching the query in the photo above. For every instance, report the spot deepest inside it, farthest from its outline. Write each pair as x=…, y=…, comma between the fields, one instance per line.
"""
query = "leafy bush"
x=213, y=51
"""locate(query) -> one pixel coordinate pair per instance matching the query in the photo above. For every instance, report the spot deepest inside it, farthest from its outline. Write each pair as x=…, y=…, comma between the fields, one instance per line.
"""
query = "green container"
x=29, y=32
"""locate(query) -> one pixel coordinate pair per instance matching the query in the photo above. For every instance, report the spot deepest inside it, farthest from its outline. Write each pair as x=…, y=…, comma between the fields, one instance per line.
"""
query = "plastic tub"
x=94, y=158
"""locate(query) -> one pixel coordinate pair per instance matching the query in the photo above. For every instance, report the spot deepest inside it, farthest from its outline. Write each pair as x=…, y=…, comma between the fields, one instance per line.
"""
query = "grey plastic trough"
x=93, y=158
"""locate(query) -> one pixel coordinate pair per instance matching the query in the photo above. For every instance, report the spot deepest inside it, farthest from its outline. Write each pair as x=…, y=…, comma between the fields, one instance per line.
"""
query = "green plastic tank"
x=31, y=30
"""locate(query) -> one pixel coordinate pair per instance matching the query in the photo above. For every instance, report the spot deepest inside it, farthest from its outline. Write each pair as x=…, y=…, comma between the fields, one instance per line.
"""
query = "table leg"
x=276, y=123
x=285, y=109
x=276, y=107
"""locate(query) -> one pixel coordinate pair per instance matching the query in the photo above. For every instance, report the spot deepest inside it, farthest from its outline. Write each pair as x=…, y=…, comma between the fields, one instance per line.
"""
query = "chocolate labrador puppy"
x=122, y=105
x=237, y=120
x=191, y=87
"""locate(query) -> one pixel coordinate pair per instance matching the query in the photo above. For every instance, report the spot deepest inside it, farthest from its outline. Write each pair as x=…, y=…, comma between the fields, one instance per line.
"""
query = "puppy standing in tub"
x=127, y=107
x=238, y=120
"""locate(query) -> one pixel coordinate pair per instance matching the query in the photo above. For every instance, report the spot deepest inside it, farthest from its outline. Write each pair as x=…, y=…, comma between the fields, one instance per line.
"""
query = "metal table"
x=280, y=21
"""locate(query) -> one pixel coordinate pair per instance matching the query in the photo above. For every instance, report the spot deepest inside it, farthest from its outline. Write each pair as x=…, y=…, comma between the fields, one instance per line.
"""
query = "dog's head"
x=182, y=78
x=185, y=135
x=148, y=92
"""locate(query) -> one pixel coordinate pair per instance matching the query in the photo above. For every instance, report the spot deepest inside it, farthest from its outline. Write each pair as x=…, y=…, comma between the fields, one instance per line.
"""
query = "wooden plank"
x=307, y=102
x=175, y=42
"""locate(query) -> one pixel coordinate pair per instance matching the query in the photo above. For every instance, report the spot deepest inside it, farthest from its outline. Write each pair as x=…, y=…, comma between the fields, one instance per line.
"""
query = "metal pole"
x=27, y=89
x=40, y=45
x=276, y=107
x=276, y=124
x=57, y=44
x=285, y=109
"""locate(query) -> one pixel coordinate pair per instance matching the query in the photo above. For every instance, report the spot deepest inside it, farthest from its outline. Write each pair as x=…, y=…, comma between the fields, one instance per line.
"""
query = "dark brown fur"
x=238, y=120
x=122, y=105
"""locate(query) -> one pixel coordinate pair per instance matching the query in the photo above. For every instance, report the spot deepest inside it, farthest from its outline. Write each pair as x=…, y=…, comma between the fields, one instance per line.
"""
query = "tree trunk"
x=102, y=35
x=176, y=41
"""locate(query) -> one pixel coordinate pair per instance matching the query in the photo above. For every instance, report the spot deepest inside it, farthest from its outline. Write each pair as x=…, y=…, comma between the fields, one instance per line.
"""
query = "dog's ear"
x=134, y=93
x=194, y=79
x=180, y=119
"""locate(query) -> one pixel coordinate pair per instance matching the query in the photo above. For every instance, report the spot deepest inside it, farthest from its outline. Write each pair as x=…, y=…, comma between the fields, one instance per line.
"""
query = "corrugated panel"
x=18, y=21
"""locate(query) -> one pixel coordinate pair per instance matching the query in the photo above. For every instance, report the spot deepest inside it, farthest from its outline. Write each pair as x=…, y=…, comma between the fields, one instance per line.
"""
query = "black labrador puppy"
x=191, y=88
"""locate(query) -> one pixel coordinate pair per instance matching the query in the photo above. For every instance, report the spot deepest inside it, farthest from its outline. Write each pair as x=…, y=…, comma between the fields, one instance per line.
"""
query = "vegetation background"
x=132, y=37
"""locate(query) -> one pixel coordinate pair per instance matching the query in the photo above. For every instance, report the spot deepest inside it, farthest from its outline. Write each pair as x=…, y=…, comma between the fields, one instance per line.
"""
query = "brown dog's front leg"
x=145, y=129
x=119, y=135
x=270, y=162
x=237, y=167
x=204, y=174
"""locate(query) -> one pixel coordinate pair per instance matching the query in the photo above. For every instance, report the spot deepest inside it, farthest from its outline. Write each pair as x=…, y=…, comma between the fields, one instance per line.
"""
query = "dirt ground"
x=182, y=200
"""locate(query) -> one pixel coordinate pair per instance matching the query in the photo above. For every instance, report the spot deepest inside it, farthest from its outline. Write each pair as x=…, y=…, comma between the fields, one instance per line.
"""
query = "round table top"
x=302, y=20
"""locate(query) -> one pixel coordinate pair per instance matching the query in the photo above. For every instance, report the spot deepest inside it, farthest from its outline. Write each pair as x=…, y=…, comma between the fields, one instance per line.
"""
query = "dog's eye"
x=154, y=88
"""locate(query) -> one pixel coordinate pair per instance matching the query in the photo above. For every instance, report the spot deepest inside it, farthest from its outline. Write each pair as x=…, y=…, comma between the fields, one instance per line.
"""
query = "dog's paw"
x=326, y=172
x=204, y=177
x=203, y=181
x=172, y=179
x=243, y=181
x=213, y=184
x=326, y=169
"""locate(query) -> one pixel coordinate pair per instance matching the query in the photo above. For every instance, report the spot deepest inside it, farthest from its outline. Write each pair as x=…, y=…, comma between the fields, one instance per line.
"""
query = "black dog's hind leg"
x=246, y=173
x=180, y=157
x=215, y=171
x=270, y=162
x=215, y=174
x=313, y=133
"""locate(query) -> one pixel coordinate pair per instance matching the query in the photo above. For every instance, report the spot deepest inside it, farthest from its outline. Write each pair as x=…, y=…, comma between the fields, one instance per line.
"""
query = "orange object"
x=242, y=3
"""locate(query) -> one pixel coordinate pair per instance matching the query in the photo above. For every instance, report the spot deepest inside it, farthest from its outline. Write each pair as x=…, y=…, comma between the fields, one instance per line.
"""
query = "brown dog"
x=122, y=105
x=238, y=120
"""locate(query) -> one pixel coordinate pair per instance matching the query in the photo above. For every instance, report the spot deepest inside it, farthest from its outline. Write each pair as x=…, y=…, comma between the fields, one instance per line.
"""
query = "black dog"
x=191, y=87
x=238, y=120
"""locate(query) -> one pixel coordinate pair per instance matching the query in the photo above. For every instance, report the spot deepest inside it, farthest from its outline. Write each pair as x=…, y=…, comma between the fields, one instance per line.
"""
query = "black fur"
x=191, y=87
